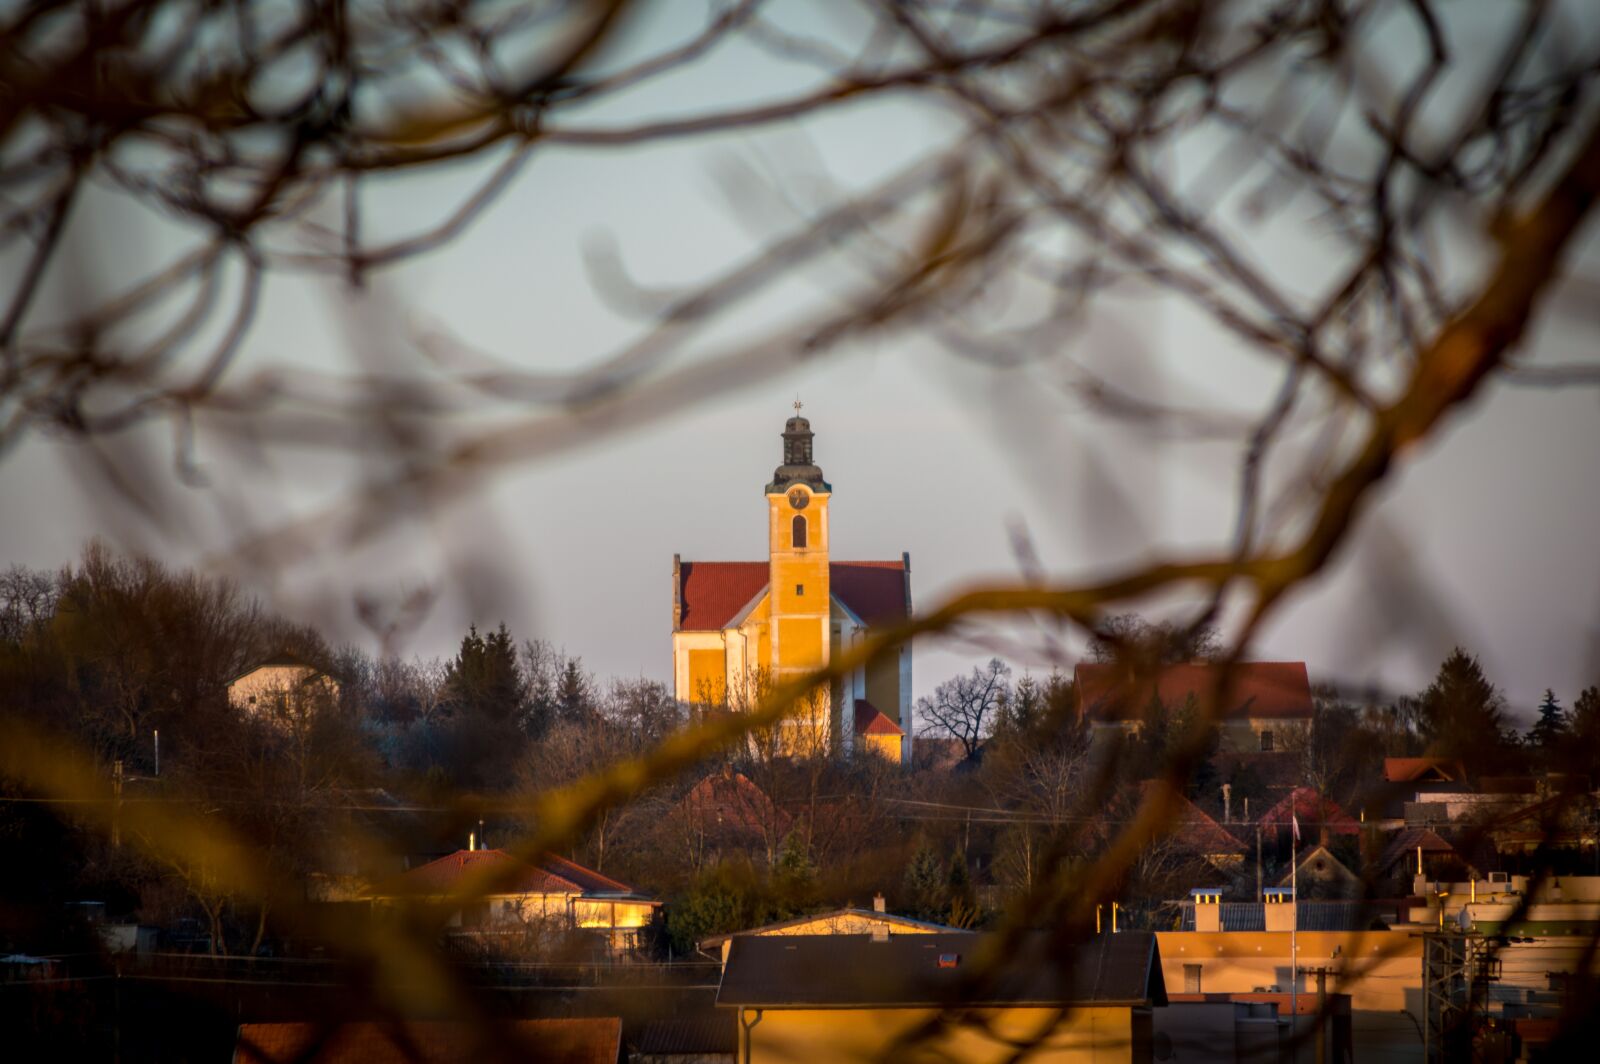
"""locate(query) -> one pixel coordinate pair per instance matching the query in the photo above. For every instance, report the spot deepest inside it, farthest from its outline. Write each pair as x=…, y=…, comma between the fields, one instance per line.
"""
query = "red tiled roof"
x=712, y=594
x=731, y=801
x=581, y=1041
x=1412, y=769
x=1313, y=811
x=1197, y=832
x=1405, y=844
x=870, y=720
x=550, y=875
x=874, y=591
x=1261, y=690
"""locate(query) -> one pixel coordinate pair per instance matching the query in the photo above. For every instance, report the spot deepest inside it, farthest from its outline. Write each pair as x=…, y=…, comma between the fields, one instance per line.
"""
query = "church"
x=738, y=625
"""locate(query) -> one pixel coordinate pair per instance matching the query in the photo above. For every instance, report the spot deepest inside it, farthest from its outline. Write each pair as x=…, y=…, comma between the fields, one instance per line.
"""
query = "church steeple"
x=799, y=467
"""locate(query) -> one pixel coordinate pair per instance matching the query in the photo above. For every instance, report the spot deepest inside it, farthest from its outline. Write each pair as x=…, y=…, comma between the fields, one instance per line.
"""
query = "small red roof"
x=1270, y=690
x=1197, y=831
x=1313, y=811
x=1405, y=844
x=578, y=1041
x=712, y=594
x=550, y=875
x=1423, y=770
x=732, y=801
x=870, y=720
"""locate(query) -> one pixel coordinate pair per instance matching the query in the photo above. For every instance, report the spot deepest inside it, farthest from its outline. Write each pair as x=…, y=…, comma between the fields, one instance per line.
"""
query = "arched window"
x=797, y=536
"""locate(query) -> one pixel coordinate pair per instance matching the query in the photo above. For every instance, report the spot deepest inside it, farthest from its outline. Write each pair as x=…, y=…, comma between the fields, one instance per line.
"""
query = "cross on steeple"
x=797, y=405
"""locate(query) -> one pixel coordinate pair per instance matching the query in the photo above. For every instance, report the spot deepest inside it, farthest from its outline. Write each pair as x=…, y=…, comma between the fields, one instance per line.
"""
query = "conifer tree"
x=1462, y=714
x=962, y=896
x=1552, y=728
x=924, y=883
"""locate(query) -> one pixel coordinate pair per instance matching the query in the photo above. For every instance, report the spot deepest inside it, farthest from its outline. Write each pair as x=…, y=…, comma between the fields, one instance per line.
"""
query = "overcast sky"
x=1487, y=537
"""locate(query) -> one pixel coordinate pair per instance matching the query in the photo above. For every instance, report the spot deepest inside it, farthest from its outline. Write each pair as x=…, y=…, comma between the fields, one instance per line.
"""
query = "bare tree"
x=965, y=707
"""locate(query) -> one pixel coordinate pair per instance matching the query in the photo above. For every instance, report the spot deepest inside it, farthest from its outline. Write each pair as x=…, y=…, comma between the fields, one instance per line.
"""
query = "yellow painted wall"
x=883, y=687
x=789, y=1035
x=883, y=745
x=1380, y=970
x=708, y=676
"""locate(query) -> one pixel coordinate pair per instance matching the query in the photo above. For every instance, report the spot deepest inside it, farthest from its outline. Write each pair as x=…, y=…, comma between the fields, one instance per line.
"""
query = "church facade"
x=739, y=626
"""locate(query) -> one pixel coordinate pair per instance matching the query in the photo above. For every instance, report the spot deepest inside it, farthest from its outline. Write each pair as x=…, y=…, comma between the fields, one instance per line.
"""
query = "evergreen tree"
x=1462, y=715
x=463, y=679
x=794, y=874
x=1552, y=728
x=924, y=884
x=962, y=896
x=574, y=703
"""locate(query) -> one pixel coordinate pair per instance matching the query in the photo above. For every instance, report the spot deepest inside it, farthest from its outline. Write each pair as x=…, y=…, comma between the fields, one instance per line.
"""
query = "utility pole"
x=1258, y=859
x=116, y=804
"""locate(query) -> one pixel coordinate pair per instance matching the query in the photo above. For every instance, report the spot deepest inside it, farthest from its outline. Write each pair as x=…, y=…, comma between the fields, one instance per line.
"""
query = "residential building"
x=1268, y=705
x=834, y=922
x=855, y=997
x=497, y=893
x=738, y=627
x=1380, y=971
x=283, y=684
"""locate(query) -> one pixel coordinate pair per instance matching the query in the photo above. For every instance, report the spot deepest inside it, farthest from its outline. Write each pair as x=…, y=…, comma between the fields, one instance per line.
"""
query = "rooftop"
x=854, y=971
x=1260, y=690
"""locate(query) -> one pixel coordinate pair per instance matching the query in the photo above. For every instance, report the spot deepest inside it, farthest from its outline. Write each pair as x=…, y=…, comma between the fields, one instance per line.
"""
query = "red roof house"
x=1313, y=811
x=1260, y=690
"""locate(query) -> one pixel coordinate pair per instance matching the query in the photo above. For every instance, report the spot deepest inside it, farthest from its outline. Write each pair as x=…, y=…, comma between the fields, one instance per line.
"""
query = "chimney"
x=677, y=591
x=472, y=840
x=1207, y=908
x=1278, y=908
x=877, y=903
x=1227, y=803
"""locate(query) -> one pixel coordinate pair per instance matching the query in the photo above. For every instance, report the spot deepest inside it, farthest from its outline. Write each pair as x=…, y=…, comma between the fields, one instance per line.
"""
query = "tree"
x=1462, y=714
x=1128, y=637
x=961, y=896
x=925, y=884
x=1553, y=726
x=965, y=707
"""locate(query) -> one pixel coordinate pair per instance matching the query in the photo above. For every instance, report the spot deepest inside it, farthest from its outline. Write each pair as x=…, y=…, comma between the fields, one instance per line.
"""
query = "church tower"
x=797, y=553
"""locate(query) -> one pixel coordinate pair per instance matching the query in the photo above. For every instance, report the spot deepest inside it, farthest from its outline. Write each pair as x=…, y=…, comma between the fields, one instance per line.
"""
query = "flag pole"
x=1294, y=930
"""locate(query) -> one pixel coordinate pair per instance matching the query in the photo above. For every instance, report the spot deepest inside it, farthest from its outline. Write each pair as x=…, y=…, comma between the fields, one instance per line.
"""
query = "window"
x=799, y=589
x=1266, y=742
x=1191, y=979
x=797, y=536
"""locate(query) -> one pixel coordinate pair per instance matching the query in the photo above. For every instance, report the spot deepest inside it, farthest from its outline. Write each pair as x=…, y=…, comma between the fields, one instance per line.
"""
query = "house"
x=834, y=922
x=740, y=626
x=1380, y=971
x=281, y=685
x=578, y=1041
x=1312, y=812
x=1410, y=853
x=497, y=893
x=1319, y=874
x=1268, y=707
x=1194, y=831
x=854, y=997
x=1425, y=771
x=726, y=812
x=876, y=733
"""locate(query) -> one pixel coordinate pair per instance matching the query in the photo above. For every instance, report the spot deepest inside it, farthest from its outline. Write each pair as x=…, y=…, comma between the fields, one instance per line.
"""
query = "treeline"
x=405, y=757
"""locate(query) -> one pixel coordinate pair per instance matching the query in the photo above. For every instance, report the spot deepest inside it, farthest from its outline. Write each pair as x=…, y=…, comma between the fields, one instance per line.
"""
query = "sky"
x=1484, y=538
